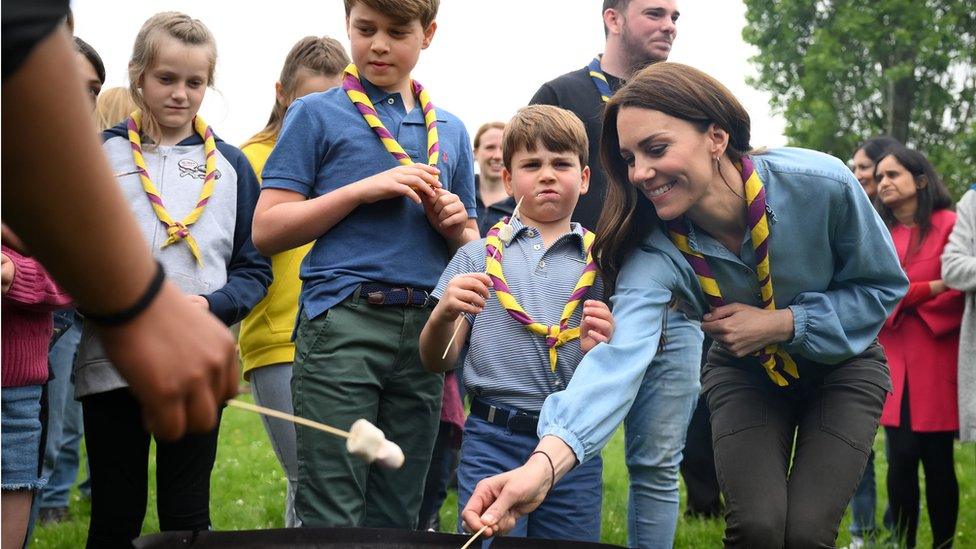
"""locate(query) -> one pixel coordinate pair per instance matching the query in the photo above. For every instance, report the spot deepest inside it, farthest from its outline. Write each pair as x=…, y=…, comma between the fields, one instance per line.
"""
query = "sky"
x=487, y=58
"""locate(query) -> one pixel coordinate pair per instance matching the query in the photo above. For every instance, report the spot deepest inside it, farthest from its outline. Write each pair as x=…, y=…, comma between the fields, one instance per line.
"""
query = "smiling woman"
x=694, y=214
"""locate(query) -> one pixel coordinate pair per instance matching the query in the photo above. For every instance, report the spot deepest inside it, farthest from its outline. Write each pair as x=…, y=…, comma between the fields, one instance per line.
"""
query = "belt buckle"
x=410, y=292
x=376, y=298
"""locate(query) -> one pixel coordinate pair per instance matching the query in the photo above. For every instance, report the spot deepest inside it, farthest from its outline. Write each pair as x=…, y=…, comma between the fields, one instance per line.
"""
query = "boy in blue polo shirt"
x=382, y=181
x=531, y=330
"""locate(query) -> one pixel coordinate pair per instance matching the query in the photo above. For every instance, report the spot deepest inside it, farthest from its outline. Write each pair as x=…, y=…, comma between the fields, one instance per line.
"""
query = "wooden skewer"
x=474, y=537
x=287, y=417
x=457, y=325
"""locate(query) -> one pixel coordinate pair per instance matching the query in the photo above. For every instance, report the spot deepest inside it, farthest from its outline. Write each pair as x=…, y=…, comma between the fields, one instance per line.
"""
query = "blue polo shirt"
x=325, y=144
x=506, y=364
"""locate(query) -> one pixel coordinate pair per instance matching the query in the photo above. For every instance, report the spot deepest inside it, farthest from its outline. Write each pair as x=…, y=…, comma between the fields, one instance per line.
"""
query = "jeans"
x=789, y=459
x=655, y=430
x=61, y=453
x=21, y=440
x=572, y=509
x=271, y=387
x=864, y=503
x=438, y=477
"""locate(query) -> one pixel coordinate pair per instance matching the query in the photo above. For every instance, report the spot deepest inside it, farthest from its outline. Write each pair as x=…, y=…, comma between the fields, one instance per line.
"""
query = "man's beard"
x=637, y=56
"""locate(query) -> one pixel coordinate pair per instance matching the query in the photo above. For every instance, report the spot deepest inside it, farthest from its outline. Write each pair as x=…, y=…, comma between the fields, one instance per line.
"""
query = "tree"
x=841, y=71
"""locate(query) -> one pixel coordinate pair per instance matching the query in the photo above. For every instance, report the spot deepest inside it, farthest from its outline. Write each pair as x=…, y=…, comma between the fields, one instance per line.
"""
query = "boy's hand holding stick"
x=505, y=236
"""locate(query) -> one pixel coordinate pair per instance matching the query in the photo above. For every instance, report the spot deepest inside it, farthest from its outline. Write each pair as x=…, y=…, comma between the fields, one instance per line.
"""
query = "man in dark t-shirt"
x=639, y=32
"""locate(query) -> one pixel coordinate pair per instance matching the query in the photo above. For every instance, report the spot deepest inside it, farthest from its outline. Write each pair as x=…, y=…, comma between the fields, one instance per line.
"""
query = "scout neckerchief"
x=177, y=230
x=357, y=94
x=775, y=360
x=557, y=334
x=599, y=79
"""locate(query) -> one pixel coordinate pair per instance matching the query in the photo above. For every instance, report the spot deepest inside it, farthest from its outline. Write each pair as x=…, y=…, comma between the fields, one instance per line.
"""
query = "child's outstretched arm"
x=597, y=324
x=284, y=219
x=465, y=294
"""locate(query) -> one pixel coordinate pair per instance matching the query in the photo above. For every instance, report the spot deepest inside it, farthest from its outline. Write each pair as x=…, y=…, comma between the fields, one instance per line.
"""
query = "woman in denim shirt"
x=798, y=289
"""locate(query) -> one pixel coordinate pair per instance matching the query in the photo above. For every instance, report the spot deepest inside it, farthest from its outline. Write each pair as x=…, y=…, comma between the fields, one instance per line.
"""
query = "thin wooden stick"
x=474, y=537
x=287, y=417
x=457, y=325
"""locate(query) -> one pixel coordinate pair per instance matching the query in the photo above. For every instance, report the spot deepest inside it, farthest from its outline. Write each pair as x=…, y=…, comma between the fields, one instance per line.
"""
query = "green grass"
x=247, y=492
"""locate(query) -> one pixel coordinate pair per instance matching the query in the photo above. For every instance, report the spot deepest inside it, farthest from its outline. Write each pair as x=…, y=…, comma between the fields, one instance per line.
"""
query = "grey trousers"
x=271, y=387
x=789, y=459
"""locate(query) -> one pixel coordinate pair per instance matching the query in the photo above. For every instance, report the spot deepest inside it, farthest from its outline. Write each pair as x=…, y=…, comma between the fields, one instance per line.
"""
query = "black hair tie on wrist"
x=126, y=315
x=552, y=480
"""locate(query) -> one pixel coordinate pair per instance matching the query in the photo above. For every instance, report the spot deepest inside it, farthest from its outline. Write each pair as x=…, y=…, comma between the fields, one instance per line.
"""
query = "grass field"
x=248, y=487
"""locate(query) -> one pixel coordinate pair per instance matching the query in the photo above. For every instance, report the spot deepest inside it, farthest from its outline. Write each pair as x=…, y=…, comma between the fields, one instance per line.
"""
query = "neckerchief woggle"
x=357, y=94
x=775, y=360
x=558, y=334
x=177, y=230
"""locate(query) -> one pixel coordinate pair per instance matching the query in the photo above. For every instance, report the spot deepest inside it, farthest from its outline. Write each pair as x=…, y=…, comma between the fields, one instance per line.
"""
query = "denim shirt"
x=832, y=263
x=325, y=144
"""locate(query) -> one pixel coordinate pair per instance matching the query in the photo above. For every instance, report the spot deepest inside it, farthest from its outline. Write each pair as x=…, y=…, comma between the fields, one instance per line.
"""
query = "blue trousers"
x=61, y=452
x=864, y=503
x=655, y=430
x=572, y=510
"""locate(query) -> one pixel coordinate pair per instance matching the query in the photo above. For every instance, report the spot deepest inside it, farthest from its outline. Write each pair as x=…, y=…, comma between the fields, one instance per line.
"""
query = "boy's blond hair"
x=559, y=130
x=401, y=11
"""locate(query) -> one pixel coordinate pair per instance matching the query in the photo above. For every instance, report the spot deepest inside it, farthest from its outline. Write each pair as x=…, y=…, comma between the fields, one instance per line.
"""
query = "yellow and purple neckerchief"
x=599, y=79
x=177, y=230
x=555, y=335
x=357, y=94
x=776, y=361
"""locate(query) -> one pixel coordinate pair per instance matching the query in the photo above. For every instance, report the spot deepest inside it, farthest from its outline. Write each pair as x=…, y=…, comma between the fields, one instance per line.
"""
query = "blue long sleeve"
x=248, y=273
x=868, y=282
x=602, y=390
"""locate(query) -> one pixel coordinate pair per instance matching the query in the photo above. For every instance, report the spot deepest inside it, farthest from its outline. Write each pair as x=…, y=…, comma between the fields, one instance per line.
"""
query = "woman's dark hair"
x=931, y=197
x=92, y=56
x=876, y=147
x=676, y=90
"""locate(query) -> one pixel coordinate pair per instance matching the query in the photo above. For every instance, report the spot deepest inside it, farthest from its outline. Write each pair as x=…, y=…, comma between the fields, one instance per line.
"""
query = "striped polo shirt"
x=507, y=364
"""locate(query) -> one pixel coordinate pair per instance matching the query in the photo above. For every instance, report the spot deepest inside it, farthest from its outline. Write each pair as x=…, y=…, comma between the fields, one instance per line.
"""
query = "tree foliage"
x=841, y=71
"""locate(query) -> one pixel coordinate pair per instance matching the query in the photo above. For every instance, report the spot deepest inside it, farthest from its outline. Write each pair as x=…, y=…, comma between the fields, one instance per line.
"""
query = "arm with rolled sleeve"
x=294, y=163
x=841, y=321
x=248, y=273
x=604, y=386
x=958, y=257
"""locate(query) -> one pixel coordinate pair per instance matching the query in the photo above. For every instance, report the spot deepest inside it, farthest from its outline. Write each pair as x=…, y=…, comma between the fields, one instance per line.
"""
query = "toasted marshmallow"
x=390, y=455
x=368, y=442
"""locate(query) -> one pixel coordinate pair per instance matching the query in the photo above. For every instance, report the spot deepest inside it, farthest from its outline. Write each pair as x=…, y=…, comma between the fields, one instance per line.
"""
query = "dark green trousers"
x=362, y=361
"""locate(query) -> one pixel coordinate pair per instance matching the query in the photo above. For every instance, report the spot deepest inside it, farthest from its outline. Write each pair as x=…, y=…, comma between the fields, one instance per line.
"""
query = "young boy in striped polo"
x=530, y=300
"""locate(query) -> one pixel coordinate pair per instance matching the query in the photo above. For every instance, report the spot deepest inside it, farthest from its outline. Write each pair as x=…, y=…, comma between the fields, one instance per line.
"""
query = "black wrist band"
x=127, y=315
x=552, y=480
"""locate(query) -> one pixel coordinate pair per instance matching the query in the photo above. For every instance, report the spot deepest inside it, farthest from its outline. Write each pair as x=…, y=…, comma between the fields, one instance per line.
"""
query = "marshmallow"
x=368, y=442
x=390, y=455
x=505, y=234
